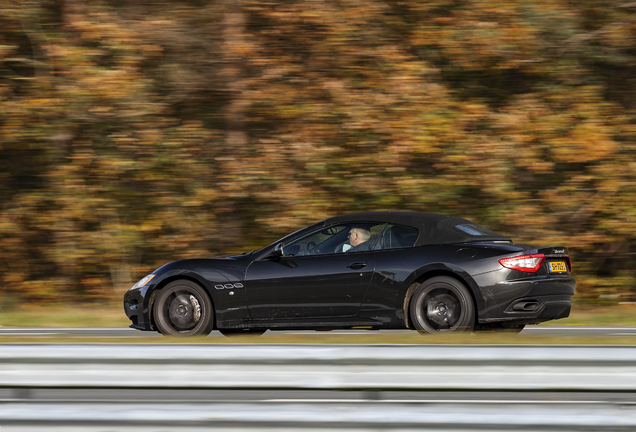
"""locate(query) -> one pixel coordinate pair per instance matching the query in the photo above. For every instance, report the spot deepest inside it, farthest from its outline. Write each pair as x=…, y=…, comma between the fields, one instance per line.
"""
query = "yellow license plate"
x=557, y=267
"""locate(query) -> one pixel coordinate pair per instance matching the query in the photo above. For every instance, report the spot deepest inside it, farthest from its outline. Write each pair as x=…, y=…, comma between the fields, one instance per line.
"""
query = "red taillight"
x=524, y=263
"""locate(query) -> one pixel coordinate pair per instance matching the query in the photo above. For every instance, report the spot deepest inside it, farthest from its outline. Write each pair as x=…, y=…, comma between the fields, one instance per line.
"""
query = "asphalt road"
x=124, y=332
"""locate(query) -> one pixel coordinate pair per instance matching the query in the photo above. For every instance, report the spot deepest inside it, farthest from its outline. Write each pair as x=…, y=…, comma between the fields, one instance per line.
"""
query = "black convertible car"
x=384, y=270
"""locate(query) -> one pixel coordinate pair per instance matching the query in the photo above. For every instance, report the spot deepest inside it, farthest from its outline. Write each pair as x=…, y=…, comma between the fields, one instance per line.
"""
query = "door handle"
x=357, y=265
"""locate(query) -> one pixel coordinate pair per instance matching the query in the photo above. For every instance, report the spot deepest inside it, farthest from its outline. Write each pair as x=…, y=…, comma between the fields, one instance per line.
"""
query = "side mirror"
x=278, y=251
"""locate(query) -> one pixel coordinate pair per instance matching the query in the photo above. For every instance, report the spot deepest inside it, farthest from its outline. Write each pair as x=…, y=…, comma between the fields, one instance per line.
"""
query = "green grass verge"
x=621, y=315
x=319, y=338
x=76, y=316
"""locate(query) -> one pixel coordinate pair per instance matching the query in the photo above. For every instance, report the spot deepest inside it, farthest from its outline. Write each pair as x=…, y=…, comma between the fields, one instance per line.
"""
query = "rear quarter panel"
x=397, y=269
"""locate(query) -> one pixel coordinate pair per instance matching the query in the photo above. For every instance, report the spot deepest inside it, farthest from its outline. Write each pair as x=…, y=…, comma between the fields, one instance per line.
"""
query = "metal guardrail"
x=318, y=367
x=407, y=367
x=317, y=418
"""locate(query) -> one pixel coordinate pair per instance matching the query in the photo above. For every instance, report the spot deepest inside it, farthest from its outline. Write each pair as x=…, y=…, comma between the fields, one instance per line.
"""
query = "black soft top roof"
x=409, y=218
x=433, y=228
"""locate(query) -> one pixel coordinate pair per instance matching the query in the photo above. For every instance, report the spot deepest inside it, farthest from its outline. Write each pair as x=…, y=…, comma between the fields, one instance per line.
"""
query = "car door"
x=315, y=279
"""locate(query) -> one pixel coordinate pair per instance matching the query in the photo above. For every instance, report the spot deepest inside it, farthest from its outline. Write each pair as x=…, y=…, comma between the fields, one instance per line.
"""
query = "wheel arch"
x=440, y=270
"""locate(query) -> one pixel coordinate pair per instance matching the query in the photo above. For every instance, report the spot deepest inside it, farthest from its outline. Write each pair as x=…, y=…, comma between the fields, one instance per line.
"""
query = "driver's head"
x=358, y=235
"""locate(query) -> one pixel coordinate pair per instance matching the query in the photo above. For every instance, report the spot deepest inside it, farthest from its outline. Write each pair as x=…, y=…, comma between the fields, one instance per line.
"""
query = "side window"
x=335, y=239
x=396, y=236
x=321, y=241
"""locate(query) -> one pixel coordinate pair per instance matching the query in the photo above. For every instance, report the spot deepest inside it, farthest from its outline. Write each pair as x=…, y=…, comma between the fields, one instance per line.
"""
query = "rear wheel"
x=442, y=304
x=183, y=308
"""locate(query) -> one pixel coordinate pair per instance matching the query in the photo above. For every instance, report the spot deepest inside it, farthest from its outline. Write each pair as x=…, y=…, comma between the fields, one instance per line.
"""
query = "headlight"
x=143, y=281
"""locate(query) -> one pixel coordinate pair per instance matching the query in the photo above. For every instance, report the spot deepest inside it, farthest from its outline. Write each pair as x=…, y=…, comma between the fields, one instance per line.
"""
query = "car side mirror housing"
x=277, y=252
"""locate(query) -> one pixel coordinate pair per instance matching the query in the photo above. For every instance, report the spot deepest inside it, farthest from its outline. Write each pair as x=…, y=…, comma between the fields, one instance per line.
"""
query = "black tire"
x=442, y=304
x=183, y=308
x=241, y=332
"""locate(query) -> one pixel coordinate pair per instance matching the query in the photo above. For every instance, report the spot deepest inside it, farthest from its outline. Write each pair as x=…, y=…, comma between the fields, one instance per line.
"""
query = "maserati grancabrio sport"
x=384, y=270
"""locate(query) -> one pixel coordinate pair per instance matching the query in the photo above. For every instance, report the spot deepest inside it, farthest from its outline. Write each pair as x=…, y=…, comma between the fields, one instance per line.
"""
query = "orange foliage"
x=135, y=134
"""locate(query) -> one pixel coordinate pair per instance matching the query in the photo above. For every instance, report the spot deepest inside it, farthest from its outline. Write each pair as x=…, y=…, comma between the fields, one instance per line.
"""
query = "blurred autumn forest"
x=135, y=133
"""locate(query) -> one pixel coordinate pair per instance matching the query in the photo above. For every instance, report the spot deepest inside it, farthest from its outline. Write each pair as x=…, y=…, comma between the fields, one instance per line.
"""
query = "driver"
x=359, y=239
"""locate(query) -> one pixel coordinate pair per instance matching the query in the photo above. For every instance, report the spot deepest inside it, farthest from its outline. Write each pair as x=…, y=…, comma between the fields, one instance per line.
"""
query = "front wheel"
x=442, y=304
x=183, y=308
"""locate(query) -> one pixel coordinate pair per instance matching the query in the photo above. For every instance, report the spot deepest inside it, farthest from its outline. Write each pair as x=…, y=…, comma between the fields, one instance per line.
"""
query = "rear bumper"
x=528, y=301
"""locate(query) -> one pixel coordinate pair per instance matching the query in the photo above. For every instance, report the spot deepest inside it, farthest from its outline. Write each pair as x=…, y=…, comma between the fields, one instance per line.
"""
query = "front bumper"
x=137, y=310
